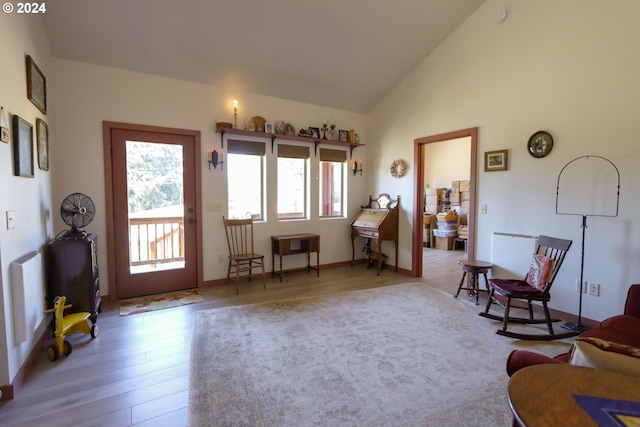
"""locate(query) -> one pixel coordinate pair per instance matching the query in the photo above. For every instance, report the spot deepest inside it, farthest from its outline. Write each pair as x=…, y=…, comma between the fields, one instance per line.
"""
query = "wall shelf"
x=272, y=136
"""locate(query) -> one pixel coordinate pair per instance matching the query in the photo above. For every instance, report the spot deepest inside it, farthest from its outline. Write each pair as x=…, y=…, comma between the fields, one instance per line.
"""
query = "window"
x=332, y=170
x=245, y=178
x=292, y=181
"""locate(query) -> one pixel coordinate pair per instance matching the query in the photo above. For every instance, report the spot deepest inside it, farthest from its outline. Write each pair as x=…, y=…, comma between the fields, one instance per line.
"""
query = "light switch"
x=11, y=220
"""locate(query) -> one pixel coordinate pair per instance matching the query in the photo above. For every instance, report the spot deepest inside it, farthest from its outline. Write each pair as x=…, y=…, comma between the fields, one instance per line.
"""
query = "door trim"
x=419, y=145
x=108, y=185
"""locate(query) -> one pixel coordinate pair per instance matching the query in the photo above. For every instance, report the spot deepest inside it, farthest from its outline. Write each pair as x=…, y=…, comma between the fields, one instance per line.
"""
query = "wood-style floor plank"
x=136, y=371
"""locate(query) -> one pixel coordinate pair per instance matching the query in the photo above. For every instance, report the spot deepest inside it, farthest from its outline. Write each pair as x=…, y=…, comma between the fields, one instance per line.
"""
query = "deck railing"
x=156, y=240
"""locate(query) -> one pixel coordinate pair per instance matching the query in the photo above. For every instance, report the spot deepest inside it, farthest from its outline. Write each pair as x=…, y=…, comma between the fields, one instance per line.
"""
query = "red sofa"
x=621, y=329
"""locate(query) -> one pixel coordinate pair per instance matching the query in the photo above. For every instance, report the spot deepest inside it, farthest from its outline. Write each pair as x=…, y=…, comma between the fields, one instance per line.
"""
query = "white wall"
x=86, y=95
x=29, y=198
x=447, y=161
x=570, y=67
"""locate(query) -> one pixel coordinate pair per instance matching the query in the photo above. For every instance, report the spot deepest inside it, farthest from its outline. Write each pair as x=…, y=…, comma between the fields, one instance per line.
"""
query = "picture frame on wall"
x=42, y=136
x=496, y=160
x=22, y=147
x=36, y=86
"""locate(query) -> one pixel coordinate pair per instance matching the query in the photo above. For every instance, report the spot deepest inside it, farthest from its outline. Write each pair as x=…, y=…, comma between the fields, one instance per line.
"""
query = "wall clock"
x=398, y=168
x=540, y=144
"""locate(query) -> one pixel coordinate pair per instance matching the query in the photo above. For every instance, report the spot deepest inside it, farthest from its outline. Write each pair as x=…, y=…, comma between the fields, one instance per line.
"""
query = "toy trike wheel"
x=52, y=353
x=67, y=348
x=94, y=330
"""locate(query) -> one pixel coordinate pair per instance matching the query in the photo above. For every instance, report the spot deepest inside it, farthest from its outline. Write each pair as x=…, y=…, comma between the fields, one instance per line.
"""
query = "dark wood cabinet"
x=72, y=271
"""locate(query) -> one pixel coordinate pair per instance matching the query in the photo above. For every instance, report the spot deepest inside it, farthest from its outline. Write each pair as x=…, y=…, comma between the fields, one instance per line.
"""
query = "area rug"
x=158, y=302
x=403, y=355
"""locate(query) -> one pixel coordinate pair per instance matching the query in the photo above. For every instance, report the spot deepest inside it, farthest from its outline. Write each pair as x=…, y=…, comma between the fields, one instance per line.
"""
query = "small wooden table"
x=282, y=245
x=474, y=268
x=541, y=395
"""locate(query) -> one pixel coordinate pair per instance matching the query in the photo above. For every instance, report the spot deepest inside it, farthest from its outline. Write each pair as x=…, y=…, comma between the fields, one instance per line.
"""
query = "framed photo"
x=268, y=127
x=344, y=135
x=42, y=135
x=36, y=86
x=22, y=147
x=5, y=135
x=314, y=132
x=495, y=160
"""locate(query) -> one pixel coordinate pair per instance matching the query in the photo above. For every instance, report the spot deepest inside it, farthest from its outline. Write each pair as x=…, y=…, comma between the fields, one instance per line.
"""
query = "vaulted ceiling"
x=344, y=54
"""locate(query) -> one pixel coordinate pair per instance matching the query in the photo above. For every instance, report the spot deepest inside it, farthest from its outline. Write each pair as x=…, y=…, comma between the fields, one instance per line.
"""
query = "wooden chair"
x=242, y=258
x=534, y=287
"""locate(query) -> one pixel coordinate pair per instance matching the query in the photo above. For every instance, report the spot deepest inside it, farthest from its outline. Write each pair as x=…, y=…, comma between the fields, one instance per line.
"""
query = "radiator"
x=27, y=289
x=511, y=254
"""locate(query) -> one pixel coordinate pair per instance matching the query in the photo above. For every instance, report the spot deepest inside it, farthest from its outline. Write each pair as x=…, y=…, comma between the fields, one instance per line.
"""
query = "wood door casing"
x=193, y=258
x=419, y=143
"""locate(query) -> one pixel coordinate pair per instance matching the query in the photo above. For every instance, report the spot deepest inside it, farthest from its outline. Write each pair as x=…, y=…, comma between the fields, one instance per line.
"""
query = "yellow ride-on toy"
x=67, y=325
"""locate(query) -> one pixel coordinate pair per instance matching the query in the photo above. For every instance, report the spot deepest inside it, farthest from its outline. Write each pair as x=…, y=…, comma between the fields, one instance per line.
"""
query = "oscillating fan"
x=77, y=211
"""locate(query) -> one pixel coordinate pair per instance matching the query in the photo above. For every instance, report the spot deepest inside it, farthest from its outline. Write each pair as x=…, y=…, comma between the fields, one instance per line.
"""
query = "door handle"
x=191, y=221
x=190, y=210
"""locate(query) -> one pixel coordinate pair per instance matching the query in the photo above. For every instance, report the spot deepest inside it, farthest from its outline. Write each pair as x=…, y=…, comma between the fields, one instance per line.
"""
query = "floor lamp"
x=578, y=173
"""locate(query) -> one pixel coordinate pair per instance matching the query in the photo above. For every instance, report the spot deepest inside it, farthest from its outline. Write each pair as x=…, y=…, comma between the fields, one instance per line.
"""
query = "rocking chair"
x=536, y=286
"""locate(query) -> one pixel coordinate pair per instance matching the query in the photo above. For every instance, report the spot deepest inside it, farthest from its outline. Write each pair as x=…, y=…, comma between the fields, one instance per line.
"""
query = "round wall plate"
x=540, y=144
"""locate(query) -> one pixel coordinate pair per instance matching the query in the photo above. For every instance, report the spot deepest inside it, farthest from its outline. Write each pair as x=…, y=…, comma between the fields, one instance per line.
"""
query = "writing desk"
x=289, y=244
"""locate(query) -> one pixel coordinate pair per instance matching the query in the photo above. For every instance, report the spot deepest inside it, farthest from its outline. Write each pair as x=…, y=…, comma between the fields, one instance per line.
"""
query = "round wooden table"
x=474, y=268
x=541, y=395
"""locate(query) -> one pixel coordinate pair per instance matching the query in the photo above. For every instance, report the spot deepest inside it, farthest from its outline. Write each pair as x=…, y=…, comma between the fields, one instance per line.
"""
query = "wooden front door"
x=153, y=179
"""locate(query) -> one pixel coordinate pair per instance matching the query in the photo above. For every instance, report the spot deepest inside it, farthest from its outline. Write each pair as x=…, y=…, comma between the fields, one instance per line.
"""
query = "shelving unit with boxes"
x=440, y=203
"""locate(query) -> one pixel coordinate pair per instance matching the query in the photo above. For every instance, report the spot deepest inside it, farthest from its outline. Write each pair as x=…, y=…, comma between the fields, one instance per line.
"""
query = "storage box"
x=444, y=243
x=465, y=186
x=447, y=225
x=445, y=233
x=454, y=197
x=448, y=216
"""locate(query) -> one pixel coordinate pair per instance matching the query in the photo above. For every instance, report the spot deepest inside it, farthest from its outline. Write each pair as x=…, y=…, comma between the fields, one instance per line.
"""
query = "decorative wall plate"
x=398, y=168
x=540, y=144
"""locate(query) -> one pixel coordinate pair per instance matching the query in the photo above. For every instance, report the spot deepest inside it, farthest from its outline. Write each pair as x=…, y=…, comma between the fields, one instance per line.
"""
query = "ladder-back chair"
x=536, y=286
x=242, y=257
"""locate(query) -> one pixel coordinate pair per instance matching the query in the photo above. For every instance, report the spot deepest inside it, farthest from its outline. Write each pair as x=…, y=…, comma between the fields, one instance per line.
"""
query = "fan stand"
x=579, y=327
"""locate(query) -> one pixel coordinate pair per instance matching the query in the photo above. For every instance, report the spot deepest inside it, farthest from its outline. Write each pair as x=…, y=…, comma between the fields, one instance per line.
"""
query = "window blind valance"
x=251, y=148
x=329, y=155
x=293, y=151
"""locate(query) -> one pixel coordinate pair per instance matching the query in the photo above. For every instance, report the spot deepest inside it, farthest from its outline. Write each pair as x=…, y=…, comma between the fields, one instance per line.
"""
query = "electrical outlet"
x=578, y=287
x=594, y=289
x=220, y=259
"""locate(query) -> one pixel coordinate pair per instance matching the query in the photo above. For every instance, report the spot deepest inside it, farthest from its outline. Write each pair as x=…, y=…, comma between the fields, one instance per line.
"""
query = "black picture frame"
x=36, y=86
x=313, y=132
x=22, y=147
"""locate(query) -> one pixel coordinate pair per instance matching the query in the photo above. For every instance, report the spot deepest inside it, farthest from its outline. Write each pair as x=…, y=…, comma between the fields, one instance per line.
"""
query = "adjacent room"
x=363, y=164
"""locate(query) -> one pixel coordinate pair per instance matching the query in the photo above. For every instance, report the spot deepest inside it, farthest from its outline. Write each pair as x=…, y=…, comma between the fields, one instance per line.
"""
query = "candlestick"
x=235, y=113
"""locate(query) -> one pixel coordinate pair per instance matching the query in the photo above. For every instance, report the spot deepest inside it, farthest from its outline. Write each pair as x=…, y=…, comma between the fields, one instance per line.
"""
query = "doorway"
x=419, y=156
x=152, y=189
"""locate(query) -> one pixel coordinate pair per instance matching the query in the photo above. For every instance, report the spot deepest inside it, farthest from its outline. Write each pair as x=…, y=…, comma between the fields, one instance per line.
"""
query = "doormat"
x=159, y=302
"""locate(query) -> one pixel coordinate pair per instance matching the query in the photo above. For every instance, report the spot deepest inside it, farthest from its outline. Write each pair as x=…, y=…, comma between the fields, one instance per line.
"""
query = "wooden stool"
x=474, y=268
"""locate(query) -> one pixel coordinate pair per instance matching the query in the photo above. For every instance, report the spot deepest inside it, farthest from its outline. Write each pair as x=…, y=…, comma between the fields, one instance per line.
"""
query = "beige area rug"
x=158, y=302
x=404, y=355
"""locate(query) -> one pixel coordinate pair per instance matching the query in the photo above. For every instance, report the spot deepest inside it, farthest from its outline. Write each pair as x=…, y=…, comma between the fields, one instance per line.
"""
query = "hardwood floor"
x=136, y=371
